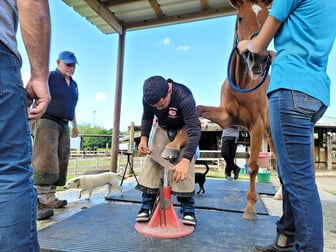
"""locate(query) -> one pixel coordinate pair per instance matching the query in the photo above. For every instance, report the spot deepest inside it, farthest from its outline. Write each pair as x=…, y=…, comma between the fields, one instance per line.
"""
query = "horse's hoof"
x=170, y=153
x=278, y=195
x=250, y=215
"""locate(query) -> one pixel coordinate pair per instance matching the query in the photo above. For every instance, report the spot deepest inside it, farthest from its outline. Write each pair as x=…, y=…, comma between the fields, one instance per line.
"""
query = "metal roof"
x=326, y=122
x=117, y=16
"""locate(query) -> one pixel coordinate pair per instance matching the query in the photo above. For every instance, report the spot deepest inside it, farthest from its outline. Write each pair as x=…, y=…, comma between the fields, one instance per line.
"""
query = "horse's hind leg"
x=172, y=150
x=278, y=195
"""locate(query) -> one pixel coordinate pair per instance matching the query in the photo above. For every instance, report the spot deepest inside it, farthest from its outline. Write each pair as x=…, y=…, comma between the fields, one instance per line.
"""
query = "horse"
x=243, y=94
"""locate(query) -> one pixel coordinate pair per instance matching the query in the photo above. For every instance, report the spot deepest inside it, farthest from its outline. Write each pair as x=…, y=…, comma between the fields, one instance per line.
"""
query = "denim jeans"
x=293, y=116
x=18, y=197
x=187, y=203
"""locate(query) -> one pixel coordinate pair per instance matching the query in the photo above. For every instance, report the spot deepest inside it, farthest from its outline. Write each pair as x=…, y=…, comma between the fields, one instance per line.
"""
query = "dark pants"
x=187, y=203
x=228, y=151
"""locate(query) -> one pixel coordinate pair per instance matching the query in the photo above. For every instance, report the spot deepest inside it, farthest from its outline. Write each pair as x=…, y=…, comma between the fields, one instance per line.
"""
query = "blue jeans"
x=18, y=199
x=293, y=116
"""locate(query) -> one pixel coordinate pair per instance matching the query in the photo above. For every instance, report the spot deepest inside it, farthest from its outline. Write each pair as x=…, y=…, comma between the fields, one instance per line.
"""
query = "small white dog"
x=90, y=181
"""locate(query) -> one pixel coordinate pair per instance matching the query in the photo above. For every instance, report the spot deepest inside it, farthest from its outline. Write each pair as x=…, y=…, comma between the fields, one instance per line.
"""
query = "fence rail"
x=82, y=161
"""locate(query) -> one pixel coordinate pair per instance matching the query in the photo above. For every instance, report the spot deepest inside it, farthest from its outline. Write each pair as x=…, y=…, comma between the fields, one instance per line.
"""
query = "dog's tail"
x=207, y=169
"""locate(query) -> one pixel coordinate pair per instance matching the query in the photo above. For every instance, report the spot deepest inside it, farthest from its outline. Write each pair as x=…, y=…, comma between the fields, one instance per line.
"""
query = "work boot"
x=282, y=243
x=56, y=203
x=143, y=215
x=43, y=211
x=189, y=219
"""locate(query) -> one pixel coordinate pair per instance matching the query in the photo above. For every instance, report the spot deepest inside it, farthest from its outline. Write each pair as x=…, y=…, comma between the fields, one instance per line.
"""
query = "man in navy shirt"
x=51, y=136
x=175, y=109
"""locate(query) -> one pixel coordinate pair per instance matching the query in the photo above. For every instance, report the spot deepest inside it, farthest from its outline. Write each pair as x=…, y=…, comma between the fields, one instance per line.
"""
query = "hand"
x=181, y=170
x=143, y=147
x=272, y=54
x=242, y=46
x=37, y=91
x=74, y=132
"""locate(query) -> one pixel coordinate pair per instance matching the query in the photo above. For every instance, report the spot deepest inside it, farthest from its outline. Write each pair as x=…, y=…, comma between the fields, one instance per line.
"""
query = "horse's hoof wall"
x=250, y=216
x=170, y=154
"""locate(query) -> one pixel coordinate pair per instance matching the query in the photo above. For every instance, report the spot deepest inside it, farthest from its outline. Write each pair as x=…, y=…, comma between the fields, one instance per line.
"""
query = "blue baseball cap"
x=67, y=57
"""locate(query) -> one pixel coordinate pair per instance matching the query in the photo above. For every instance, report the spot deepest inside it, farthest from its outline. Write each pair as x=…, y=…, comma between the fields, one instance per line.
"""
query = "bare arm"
x=74, y=127
x=260, y=42
x=34, y=18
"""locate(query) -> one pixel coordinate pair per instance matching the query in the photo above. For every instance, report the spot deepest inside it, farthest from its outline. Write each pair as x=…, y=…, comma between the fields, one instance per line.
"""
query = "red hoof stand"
x=164, y=222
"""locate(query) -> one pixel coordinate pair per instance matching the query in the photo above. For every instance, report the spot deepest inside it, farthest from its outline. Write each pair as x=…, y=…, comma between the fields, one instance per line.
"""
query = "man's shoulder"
x=181, y=89
x=54, y=74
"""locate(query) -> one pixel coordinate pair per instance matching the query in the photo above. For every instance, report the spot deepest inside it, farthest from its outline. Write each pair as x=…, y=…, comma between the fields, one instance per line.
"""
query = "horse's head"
x=251, y=15
x=257, y=63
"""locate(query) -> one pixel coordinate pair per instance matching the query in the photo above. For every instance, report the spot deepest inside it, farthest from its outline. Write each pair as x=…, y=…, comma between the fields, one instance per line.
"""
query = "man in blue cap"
x=52, y=138
x=67, y=57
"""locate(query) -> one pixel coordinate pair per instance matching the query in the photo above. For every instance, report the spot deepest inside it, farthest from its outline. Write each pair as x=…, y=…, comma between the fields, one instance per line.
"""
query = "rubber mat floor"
x=109, y=226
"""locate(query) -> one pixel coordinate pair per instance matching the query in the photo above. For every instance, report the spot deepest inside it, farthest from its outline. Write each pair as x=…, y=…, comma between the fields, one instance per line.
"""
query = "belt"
x=59, y=120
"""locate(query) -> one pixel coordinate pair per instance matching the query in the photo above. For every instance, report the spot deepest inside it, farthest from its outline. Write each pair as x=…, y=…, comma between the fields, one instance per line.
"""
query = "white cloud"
x=100, y=96
x=183, y=48
x=165, y=42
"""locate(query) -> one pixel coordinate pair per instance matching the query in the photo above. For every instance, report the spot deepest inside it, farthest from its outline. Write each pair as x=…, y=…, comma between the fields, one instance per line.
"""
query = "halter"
x=265, y=72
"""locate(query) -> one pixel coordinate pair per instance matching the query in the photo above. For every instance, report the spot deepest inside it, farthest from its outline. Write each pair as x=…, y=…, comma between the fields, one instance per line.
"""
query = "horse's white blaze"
x=256, y=8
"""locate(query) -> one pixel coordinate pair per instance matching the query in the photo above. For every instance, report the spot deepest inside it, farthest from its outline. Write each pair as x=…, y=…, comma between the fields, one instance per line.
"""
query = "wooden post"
x=117, y=103
x=131, y=146
x=329, y=150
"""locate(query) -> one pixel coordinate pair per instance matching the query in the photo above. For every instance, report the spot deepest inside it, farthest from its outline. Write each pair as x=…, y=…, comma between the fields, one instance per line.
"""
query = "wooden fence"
x=101, y=160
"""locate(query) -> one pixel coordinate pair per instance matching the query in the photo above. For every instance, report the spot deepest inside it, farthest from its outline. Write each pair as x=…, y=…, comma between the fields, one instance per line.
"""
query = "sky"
x=194, y=54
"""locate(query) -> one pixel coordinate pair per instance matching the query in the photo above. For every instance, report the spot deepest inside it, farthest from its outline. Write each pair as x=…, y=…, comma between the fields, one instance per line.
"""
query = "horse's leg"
x=172, y=150
x=215, y=114
x=278, y=195
x=256, y=133
x=270, y=140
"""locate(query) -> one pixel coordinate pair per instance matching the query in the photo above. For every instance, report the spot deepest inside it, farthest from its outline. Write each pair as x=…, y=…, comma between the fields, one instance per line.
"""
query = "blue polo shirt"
x=64, y=98
x=303, y=44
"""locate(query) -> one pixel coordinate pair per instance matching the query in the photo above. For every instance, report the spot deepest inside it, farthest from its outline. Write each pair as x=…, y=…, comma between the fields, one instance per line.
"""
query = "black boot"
x=236, y=172
x=282, y=243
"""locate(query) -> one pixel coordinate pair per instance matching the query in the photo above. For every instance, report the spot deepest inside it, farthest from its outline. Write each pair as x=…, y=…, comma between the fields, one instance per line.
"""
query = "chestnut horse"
x=245, y=103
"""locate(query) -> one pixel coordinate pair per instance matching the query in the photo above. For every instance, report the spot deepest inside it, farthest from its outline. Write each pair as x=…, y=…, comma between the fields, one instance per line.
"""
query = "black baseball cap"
x=155, y=88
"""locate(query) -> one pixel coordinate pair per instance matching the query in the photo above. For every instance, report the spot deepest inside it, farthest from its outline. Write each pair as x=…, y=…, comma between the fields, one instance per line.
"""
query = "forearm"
x=35, y=29
x=74, y=127
x=74, y=122
x=260, y=43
